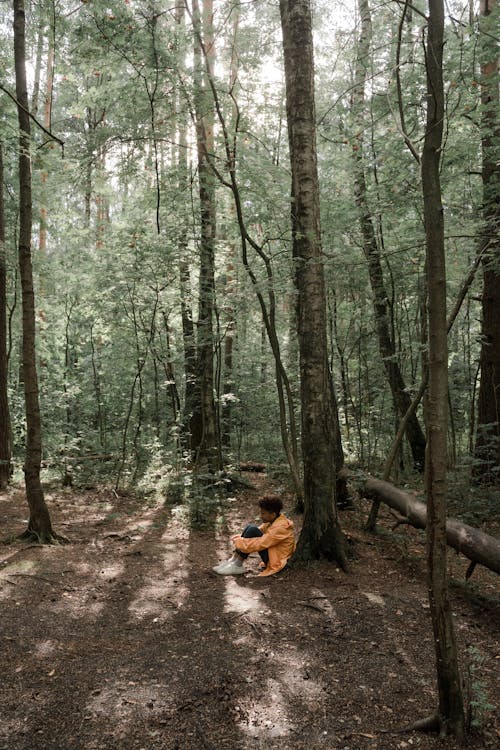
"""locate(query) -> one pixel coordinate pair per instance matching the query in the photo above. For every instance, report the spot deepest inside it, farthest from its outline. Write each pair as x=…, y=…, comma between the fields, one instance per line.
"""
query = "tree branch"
x=37, y=122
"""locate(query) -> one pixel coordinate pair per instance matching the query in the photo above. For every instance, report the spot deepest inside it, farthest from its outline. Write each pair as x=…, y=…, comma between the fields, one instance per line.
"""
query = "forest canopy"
x=161, y=237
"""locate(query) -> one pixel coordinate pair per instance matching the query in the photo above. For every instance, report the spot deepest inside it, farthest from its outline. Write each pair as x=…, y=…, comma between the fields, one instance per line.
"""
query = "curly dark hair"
x=272, y=503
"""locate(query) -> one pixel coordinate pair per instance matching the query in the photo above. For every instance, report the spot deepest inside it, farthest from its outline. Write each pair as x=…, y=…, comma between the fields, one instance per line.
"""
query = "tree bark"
x=47, y=119
x=285, y=394
x=204, y=429
x=231, y=285
x=487, y=447
x=391, y=456
x=321, y=533
x=451, y=712
x=5, y=442
x=381, y=304
x=39, y=525
x=190, y=432
x=477, y=546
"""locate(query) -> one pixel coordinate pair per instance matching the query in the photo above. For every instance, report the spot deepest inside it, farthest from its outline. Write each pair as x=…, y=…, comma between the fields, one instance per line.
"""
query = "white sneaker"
x=230, y=569
x=222, y=564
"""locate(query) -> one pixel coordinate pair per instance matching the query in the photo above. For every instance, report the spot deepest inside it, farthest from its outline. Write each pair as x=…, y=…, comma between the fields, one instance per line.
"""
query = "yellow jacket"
x=278, y=538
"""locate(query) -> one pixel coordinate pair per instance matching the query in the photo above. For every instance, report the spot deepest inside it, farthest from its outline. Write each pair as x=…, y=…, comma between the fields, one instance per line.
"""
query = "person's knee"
x=251, y=530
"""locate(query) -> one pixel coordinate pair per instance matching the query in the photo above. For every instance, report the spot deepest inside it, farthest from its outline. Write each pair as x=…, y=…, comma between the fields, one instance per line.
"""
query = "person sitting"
x=274, y=540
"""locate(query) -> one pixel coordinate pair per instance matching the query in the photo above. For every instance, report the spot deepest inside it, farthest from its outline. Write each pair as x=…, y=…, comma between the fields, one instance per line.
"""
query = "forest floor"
x=126, y=639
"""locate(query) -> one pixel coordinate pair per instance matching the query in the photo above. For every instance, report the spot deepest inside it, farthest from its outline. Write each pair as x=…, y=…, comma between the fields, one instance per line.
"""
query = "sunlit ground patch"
x=274, y=712
x=11, y=576
x=238, y=599
x=124, y=703
x=168, y=589
x=268, y=717
x=44, y=649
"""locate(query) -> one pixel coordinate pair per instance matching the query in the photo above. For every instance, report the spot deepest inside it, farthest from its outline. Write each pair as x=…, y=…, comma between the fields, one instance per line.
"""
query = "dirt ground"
x=125, y=638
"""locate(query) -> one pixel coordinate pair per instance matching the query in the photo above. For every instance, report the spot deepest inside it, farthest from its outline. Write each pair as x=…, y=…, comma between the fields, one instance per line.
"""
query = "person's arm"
x=257, y=544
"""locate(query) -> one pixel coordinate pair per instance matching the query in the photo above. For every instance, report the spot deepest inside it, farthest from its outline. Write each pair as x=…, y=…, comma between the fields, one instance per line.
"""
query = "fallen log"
x=476, y=545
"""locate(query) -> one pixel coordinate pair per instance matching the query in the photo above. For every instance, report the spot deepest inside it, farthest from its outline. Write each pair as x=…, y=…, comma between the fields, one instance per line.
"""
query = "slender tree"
x=321, y=533
x=47, y=119
x=39, y=525
x=192, y=387
x=381, y=299
x=231, y=278
x=5, y=443
x=204, y=428
x=450, y=713
x=487, y=448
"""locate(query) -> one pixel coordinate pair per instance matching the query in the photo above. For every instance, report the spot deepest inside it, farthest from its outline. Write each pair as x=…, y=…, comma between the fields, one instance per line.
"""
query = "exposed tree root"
x=431, y=725
x=30, y=535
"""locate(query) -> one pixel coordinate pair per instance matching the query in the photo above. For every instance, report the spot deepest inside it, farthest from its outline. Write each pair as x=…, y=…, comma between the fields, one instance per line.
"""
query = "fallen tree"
x=476, y=545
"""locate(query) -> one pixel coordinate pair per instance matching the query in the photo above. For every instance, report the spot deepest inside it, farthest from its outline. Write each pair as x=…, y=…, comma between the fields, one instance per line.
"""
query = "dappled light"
x=157, y=598
x=240, y=600
x=249, y=375
x=130, y=637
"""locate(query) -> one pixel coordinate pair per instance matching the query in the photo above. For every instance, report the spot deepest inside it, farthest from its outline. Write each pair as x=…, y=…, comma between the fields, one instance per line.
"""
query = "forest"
x=249, y=247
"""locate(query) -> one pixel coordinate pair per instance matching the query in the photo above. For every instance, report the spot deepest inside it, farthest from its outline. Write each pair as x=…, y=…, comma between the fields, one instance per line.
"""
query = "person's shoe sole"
x=230, y=570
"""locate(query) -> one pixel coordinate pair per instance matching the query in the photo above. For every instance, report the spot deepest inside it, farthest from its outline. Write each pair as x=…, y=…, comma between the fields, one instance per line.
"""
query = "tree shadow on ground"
x=126, y=640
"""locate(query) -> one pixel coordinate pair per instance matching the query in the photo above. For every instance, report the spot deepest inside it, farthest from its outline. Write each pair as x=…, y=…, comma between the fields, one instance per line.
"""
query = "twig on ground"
x=253, y=625
x=234, y=616
x=46, y=580
x=319, y=596
x=311, y=606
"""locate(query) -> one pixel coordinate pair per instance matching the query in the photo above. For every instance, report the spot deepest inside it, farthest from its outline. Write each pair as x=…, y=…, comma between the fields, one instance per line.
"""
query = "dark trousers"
x=252, y=531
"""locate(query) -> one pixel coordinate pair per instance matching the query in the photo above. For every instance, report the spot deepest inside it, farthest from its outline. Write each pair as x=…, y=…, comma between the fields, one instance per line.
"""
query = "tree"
x=487, y=448
x=450, y=713
x=5, y=442
x=383, y=312
x=39, y=525
x=321, y=533
x=192, y=387
x=204, y=428
x=231, y=279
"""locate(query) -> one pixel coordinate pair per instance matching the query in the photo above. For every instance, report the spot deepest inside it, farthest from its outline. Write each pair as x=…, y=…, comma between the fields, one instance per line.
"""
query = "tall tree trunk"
x=204, y=423
x=5, y=446
x=39, y=525
x=47, y=118
x=231, y=279
x=191, y=395
x=38, y=64
x=321, y=533
x=487, y=448
x=285, y=395
x=451, y=713
x=381, y=304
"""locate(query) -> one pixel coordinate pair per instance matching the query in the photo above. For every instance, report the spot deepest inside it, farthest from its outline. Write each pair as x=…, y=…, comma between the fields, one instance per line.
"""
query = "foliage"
x=122, y=214
x=478, y=705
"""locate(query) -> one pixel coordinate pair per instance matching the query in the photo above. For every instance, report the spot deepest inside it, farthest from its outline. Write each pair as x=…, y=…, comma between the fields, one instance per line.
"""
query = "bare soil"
x=125, y=638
